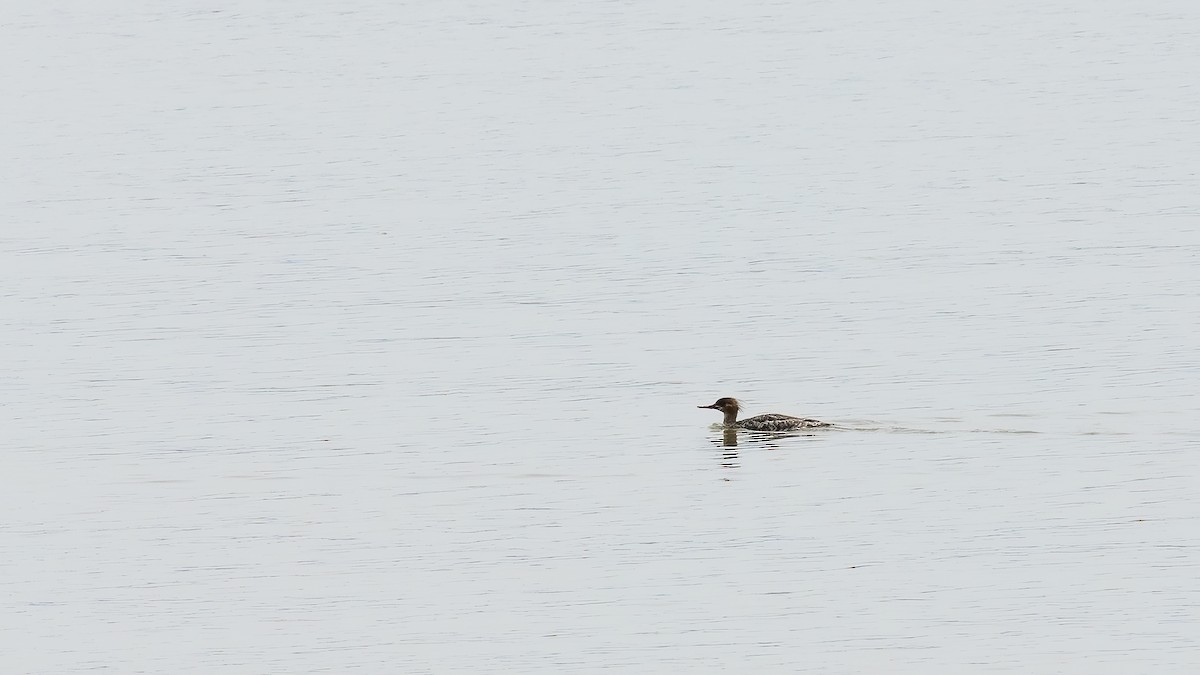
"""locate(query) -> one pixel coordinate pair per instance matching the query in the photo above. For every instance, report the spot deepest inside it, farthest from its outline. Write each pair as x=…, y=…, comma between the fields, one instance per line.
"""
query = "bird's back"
x=777, y=422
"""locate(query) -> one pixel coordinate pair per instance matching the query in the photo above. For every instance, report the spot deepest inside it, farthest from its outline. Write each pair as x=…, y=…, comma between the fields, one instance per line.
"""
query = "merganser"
x=768, y=422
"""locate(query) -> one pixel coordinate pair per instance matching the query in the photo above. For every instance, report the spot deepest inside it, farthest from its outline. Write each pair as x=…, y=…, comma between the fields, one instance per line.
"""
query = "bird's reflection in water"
x=728, y=443
x=729, y=453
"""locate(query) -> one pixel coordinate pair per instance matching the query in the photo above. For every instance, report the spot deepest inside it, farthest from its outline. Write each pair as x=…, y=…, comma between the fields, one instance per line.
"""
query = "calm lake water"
x=369, y=337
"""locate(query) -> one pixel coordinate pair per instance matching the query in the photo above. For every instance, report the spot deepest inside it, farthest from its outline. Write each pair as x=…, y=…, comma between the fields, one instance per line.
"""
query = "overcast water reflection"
x=368, y=338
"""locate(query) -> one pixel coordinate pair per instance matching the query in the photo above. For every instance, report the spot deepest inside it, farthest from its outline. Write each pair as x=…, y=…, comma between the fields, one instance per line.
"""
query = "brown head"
x=725, y=405
x=729, y=407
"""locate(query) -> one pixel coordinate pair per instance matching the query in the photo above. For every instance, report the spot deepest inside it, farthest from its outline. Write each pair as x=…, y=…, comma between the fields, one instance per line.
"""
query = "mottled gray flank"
x=777, y=422
x=366, y=337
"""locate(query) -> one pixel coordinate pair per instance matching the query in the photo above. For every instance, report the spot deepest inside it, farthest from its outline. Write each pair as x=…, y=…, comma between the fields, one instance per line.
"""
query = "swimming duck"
x=769, y=422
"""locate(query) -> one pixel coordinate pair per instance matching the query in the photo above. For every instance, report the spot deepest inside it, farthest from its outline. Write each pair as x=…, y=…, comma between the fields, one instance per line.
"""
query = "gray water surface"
x=370, y=338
